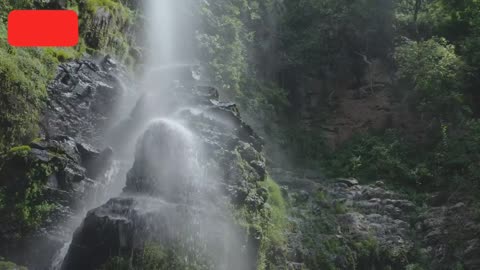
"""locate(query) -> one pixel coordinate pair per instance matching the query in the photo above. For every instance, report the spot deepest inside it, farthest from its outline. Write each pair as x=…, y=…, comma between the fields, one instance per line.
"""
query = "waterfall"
x=169, y=32
x=163, y=157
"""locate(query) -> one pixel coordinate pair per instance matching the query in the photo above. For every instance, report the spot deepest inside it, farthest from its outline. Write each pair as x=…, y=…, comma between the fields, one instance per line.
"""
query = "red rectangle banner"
x=43, y=28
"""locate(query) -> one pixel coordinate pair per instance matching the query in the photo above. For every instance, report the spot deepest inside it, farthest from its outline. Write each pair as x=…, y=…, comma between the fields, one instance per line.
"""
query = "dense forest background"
x=288, y=64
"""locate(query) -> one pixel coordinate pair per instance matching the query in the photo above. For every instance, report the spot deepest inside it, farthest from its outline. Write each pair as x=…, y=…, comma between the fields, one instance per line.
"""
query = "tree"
x=435, y=73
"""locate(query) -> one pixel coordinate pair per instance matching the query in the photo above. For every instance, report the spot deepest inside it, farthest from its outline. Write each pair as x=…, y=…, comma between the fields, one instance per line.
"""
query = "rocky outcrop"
x=112, y=28
x=48, y=182
x=341, y=224
x=381, y=216
x=58, y=177
x=450, y=234
x=190, y=171
x=82, y=98
x=355, y=226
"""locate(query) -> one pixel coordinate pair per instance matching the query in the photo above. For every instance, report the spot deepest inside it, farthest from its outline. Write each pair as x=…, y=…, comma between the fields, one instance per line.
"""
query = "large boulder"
x=125, y=225
x=165, y=161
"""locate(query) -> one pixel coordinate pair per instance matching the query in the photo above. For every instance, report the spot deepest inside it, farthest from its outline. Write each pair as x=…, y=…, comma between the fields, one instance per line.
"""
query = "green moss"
x=153, y=257
x=340, y=208
x=111, y=38
x=22, y=150
x=366, y=248
x=10, y=266
x=26, y=72
x=317, y=222
x=63, y=54
x=320, y=196
x=267, y=223
x=24, y=75
x=94, y=5
x=278, y=213
x=23, y=179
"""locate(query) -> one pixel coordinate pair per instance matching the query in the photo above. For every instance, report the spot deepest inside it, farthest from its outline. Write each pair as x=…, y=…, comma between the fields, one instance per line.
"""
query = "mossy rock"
x=266, y=225
x=154, y=256
x=107, y=27
x=23, y=175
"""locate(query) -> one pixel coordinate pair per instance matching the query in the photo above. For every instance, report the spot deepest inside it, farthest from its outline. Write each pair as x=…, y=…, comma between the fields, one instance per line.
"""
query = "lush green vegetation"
x=327, y=38
x=22, y=194
x=26, y=72
x=116, y=37
x=268, y=224
x=433, y=73
x=436, y=81
x=431, y=48
x=153, y=257
x=328, y=249
x=233, y=37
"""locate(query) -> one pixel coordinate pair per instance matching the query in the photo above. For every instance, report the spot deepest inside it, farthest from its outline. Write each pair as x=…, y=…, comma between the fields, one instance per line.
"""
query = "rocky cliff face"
x=59, y=176
x=83, y=97
x=193, y=190
x=340, y=224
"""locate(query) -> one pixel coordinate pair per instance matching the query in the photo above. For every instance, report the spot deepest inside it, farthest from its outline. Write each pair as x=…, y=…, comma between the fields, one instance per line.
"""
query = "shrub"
x=458, y=155
x=373, y=157
x=435, y=73
x=227, y=43
x=24, y=75
x=25, y=207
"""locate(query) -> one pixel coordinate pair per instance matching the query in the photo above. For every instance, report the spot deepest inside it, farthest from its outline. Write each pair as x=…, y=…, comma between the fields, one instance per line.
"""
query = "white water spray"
x=168, y=155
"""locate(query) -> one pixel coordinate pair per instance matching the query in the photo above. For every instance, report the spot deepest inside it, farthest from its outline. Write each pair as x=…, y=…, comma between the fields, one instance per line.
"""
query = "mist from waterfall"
x=161, y=155
x=170, y=30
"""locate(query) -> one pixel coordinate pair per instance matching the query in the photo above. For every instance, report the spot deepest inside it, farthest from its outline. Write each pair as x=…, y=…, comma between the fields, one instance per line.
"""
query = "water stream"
x=169, y=35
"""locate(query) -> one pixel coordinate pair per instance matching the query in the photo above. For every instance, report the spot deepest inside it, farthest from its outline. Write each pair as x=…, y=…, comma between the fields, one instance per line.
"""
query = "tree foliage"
x=26, y=72
x=232, y=35
x=434, y=72
x=328, y=37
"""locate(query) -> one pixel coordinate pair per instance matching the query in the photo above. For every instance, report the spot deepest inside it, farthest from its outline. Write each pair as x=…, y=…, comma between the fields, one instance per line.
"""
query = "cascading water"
x=169, y=194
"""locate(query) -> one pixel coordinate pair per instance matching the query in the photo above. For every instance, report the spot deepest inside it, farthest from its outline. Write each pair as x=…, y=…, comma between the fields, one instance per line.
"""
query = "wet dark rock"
x=164, y=162
x=108, y=63
x=349, y=182
x=51, y=4
x=81, y=99
x=126, y=224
